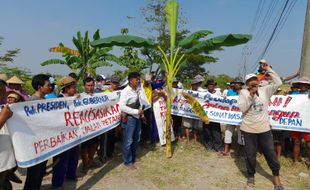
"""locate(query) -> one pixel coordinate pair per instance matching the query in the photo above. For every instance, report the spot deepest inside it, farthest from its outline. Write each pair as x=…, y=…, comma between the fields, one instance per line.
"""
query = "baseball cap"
x=249, y=76
x=262, y=61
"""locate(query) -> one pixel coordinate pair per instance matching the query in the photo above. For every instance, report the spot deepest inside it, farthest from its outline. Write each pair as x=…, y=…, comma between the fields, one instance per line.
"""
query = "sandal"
x=222, y=153
x=279, y=187
x=250, y=182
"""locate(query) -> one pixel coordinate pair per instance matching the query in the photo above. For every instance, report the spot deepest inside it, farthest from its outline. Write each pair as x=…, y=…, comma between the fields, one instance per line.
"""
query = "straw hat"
x=14, y=80
x=195, y=81
x=15, y=94
x=67, y=81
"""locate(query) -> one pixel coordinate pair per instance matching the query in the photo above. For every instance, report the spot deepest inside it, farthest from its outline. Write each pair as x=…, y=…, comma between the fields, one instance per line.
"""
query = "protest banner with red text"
x=289, y=112
x=42, y=129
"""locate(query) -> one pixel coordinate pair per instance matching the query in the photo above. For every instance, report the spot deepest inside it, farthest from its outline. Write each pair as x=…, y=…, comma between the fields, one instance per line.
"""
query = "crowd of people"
x=138, y=124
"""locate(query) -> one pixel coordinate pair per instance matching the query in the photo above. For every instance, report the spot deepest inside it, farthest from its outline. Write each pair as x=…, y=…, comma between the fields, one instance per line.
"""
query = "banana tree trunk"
x=168, y=118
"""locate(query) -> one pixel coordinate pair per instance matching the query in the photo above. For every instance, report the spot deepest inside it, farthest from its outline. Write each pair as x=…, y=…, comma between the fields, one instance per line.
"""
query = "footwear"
x=14, y=178
x=131, y=167
x=95, y=164
x=279, y=187
x=223, y=153
x=250, y=182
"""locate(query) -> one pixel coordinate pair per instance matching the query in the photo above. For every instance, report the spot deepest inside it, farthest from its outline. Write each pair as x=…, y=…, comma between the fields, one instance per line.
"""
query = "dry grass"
x=191, y=167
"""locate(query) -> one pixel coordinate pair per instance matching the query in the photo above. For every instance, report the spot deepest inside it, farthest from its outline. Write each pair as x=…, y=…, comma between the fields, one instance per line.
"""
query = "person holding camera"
x=256, y=132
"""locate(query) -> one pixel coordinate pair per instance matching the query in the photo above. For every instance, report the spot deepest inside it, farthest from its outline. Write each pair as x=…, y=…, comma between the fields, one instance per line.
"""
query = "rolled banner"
x=197, y=108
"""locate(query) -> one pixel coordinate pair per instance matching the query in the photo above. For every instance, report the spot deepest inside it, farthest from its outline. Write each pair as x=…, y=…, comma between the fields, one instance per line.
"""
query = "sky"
x=36, y=25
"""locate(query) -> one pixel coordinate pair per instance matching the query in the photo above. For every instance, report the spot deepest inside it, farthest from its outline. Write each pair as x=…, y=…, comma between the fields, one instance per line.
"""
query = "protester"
x=229, y=85
x=89, y=148
x=7, y=158
x=107, y=141
x=188, y=123
x=212, y=131
x=54, y=89
x=157, y=92
x=177, y=120
x=101, y=83
x=35, y=174
x=147, y=120
x=14, y=97
x=253, y=103
x=200, y=80
x=66, y=162
x=14, y=83
x=304, y=86
x=131, y=112
x=234, y=91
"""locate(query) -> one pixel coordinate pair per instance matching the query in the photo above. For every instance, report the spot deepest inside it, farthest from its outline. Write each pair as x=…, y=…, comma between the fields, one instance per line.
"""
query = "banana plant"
x=85, y=59
x=171, y=64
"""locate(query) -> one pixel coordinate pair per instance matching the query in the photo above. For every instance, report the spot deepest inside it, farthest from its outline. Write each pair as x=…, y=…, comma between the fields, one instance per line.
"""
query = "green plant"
x=85, y=59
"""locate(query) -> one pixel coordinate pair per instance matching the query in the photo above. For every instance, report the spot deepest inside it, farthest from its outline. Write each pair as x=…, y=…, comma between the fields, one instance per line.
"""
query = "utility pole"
x=305, y=53
x=245, y=53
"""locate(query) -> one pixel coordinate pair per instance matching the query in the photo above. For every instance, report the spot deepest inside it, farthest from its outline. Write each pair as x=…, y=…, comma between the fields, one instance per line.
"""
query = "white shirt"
x=255, y=109
x=129, y=96
x=7, y=157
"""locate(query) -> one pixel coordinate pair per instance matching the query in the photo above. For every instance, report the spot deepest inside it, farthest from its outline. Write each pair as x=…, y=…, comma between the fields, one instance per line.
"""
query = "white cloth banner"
x=44, y=128
x=160, y=110
x=289, y=112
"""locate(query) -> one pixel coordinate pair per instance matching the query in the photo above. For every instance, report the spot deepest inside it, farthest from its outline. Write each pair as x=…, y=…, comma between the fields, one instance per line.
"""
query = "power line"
x=288, y=6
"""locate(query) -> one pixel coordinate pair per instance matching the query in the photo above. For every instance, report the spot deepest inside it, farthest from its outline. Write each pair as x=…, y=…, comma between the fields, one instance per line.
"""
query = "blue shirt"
x=232, y=92
x=50, y=95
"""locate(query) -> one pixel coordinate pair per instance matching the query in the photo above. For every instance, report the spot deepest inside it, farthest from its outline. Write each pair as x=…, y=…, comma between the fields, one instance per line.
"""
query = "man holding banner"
x=7, y=159
x=68, y=160
x=35, y=173
x=131, y=112
x=253, y=103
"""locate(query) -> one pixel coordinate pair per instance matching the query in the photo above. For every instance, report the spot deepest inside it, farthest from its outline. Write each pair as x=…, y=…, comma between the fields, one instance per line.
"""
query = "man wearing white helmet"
x=256, y=132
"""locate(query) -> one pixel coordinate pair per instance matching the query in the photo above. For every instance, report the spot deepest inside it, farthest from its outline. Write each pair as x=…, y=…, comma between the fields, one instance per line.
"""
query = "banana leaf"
x=194, y=36
x=197, y=108
x=53, y=61
x=171, y=11
x=123, y=40
x=66, y=50
x=219, y=41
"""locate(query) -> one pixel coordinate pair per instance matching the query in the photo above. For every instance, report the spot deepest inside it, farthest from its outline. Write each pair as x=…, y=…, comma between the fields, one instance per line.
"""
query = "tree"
x=85, y=59
x=23, y=73
x=178, y=53
x=8, y=56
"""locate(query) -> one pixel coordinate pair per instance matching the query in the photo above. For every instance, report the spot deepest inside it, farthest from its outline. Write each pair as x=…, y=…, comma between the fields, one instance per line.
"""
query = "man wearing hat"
x=237, y=86
x=35, y=174
x=68, y=160
x=212, y=131
x=131, y=113
x=255, y=127
x=7, y=158
x=304, y=86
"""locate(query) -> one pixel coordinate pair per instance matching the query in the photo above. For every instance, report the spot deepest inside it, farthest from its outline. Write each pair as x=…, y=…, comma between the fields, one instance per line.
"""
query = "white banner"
x=44, y=128
x=289, y=112
x=160, y=110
